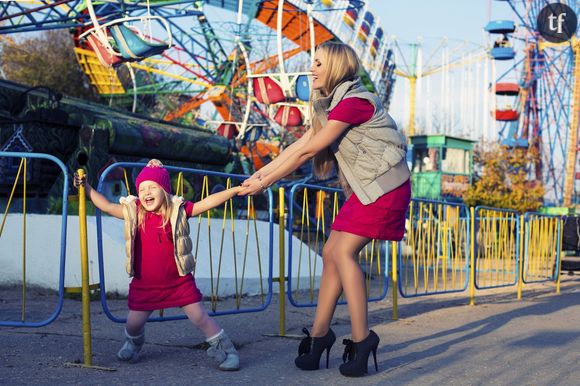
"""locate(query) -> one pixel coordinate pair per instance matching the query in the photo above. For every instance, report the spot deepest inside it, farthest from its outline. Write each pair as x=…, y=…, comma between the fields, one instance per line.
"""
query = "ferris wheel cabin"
x=502, y=48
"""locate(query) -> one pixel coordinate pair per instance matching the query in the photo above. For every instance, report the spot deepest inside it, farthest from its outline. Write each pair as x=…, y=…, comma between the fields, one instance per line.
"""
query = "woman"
x=349, y=127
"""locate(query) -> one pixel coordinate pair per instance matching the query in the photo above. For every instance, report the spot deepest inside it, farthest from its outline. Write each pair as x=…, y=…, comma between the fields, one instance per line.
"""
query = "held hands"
x=236, y=190
x=252, y=185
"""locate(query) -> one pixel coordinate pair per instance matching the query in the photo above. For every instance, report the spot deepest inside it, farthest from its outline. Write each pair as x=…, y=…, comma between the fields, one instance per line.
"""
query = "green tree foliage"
x=47, y=59
x=504, y=180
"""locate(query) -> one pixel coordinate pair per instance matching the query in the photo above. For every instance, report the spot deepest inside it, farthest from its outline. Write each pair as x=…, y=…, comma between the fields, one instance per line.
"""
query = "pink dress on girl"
x=156, y=283
x=383, y=219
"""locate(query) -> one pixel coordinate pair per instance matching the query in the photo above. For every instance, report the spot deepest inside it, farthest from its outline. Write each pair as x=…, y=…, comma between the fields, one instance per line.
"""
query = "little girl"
x=160, y=261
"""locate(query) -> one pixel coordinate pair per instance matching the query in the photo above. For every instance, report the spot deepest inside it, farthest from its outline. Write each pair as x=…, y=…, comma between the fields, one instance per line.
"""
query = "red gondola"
x=288, y=116
x=227, y=130
x=268, y=91
x=507, y=89
x=506, y=115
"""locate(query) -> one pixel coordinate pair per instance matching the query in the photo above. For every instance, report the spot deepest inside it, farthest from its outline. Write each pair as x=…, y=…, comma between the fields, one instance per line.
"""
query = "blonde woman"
x=352, y=130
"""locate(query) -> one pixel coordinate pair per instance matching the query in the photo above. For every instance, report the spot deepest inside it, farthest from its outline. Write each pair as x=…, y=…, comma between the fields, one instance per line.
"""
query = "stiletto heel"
x=311, y=349
x=356, y=355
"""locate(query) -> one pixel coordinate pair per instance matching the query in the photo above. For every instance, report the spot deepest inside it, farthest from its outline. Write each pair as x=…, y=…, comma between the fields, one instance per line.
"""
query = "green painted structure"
x=442, y=167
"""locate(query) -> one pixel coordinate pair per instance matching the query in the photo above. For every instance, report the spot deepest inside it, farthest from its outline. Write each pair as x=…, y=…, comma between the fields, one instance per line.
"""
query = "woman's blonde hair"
x=345, y=66
x=165, y=211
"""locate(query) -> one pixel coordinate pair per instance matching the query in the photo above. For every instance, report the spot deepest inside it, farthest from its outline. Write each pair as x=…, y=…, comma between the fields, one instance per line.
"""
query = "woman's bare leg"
x=329, y=291
x=345, y=252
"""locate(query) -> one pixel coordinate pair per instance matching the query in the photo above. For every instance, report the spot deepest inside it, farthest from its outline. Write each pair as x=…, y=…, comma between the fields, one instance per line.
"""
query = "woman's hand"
x=237, y=190
x=251, y=186
x=256, y=176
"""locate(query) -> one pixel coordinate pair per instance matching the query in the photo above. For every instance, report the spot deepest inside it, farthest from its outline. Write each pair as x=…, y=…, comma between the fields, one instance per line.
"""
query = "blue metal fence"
x=497, y=247
x=266, y=297
x=542, y=247
x=62, y=253
x=316, y=213
x=434, y=255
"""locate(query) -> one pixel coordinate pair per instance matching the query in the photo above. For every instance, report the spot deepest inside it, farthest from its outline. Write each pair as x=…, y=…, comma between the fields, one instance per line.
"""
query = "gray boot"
x=222, y=350
x=129, y=352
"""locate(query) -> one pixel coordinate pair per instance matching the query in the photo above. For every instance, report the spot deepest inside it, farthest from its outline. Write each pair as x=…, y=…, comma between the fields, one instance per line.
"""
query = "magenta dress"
x=156, y=283
x=383, y=219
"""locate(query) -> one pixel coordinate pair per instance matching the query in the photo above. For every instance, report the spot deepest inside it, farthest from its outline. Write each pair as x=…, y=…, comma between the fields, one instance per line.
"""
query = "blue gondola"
x=500, y=27
x=131, y=46
x=503, y=53
x=303, y=88
x=376, y=41
x=350, y=17
x=365, y=27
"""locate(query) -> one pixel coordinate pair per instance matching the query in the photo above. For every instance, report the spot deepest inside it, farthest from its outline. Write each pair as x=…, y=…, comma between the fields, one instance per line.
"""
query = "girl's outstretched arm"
x=214, y=200
x=100, y=201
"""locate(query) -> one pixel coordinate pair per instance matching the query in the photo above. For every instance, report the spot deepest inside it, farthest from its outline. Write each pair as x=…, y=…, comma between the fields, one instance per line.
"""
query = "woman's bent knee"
x=328, y=254
x=343, y=257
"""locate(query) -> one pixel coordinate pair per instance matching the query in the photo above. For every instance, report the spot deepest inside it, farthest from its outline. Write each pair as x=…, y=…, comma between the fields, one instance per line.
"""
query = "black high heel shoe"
x=311, y=349
x=356, y=355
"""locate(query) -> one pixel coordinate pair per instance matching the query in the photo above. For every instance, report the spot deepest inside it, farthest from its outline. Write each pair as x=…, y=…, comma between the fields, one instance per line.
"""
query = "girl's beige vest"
x=182, y=244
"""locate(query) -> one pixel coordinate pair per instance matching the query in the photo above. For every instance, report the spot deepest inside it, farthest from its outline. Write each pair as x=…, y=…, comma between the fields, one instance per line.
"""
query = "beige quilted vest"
x=182, y=244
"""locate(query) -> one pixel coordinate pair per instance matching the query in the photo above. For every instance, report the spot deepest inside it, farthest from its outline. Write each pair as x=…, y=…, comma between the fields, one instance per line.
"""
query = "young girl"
x=350, y=129
x=160, y=261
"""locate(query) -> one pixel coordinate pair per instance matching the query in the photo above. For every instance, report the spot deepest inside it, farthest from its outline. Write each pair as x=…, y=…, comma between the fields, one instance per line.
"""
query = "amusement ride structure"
x=240, y=69
x=237, y=67
x=542, y=80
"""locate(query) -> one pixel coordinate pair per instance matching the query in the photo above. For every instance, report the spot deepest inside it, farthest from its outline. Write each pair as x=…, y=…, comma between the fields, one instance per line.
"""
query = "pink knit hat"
x=154, y=171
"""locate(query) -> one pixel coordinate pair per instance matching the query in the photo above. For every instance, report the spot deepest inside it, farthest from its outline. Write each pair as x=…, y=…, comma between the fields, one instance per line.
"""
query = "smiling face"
x=333, y=63
x=151, y=196
x=319, y=72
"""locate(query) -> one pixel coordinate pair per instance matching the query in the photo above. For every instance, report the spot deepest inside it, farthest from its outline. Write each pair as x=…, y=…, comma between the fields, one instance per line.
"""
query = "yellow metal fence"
x=16, y=235
x=442, y=242
x=496, y=247
x=542, y=242
x=312, y=210
x=435, y=251
x=232, y=249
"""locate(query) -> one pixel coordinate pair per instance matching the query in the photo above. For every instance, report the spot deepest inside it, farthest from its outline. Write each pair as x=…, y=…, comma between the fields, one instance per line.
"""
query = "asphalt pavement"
x=437, y=340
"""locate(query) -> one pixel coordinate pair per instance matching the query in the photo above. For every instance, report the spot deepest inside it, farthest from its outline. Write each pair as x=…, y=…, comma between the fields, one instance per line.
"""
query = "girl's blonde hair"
x=165, y=211
x=345, y=66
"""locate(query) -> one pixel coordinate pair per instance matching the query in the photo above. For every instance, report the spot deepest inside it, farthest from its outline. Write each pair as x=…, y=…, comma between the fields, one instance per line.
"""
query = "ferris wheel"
x=542, y=82
x=238, y=67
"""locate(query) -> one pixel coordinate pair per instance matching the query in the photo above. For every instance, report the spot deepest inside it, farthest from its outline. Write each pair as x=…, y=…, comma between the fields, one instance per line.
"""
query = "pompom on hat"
x=154, y=171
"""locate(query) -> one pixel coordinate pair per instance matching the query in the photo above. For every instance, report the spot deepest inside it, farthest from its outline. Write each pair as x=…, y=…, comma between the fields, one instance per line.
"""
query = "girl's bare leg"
x=136, y=322
x=200, y=318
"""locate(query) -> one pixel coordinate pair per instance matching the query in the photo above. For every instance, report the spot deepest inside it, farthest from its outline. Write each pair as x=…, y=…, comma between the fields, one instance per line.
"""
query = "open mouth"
x=149, y=201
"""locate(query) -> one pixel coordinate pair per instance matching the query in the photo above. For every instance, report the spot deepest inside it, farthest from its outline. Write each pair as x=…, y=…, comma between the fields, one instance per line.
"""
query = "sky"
x=455, y=19
x=430, y=22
